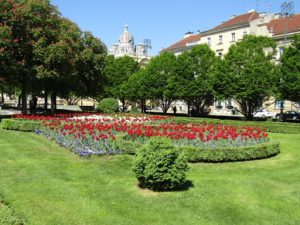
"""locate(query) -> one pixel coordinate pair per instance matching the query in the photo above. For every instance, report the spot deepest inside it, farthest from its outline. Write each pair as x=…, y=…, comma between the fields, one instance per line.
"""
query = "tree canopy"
x=289, y=78
x=247, y=73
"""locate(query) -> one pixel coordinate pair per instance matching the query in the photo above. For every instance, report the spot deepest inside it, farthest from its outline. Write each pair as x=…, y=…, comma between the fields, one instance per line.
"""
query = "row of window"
x=278, y=104
x=233, y=38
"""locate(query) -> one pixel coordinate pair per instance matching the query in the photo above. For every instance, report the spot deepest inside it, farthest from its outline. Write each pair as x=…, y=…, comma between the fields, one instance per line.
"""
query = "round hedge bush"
x=108, y=105
x=160, y=166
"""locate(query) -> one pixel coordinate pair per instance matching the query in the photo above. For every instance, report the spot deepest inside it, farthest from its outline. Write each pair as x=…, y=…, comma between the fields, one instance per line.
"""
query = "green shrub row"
x=20, y=125
x=195, y=154
x=272, y=127
x=231, y=154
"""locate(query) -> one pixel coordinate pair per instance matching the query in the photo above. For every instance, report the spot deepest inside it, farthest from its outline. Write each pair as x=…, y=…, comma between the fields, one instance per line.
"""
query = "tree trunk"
x=123, y=105
x=2, y=96
x=24, y=95
x=53, y=102
x=46, y=100
x=19, y=102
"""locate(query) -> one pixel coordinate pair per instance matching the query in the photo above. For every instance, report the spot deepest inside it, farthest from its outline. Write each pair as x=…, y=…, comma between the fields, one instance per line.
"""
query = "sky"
x=164, y=22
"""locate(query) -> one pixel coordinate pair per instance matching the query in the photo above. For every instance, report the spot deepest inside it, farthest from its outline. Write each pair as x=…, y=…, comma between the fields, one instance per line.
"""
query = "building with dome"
x=126, y=47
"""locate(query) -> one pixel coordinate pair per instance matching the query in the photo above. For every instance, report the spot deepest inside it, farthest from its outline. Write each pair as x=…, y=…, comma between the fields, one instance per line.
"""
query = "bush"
x=108, y=105
x=231, y=154
x=160, y=166
x=20, y=125
x=194, y=154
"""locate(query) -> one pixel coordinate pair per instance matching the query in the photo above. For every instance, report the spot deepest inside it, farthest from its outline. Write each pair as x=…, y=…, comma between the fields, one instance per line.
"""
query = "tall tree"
x=118, y=71
x=247, y=73
x=137, y=88
x=194, y=69
x=32, y=25
x=160, y=72
x=289, y=78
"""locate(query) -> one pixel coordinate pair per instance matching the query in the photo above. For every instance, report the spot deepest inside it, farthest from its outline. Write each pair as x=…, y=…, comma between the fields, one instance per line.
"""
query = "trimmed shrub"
x=108, y=105
x=20, y=125
x=194, y=154
x=260, y=151
x=160, y=166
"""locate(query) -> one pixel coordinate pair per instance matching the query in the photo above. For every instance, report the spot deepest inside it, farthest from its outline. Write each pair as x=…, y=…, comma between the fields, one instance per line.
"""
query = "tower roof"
x=126, y=37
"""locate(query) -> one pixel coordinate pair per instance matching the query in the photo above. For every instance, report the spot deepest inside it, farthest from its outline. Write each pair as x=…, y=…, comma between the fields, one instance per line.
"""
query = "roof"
x=277, y=26
x=241, y=19
x=183, y=43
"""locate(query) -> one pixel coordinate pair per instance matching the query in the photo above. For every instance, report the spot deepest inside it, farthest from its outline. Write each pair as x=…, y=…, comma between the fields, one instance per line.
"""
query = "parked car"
x=263, y=113
x=289, y=115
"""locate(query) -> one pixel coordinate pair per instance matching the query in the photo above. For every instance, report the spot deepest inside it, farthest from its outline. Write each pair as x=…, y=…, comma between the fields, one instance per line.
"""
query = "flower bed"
x=99, y=134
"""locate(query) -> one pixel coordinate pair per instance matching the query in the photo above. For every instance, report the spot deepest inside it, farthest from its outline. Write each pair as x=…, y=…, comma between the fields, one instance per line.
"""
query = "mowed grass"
x=47, y=185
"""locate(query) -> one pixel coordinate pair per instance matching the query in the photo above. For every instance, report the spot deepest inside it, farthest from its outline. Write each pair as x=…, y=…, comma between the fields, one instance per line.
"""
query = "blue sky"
x=162, y=21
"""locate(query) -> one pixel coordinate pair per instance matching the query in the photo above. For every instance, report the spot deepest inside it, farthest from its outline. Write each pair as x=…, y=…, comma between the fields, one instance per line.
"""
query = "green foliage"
x=108, y=105
x=194, y=77
x=117, y=72
x=160, y=166
x=8, y=217
x=247, y=73
x=158, y=77
x=231, y=154
x=20, y=125
x=288, y=81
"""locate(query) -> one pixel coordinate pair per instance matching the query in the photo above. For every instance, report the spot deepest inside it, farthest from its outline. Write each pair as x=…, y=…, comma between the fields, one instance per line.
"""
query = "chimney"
x=232, y=16
x=188, y=34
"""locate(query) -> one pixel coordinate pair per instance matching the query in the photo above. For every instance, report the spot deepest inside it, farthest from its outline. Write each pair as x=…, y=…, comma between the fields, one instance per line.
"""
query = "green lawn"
x=48, y=185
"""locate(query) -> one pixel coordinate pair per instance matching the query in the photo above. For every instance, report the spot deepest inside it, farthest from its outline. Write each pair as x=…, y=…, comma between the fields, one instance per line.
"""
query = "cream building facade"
x=221, y=37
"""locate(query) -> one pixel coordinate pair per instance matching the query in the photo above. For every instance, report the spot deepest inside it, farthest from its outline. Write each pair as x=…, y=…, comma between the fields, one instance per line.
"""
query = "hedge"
x=229, y=154
x=20, y=125
x=272, y=127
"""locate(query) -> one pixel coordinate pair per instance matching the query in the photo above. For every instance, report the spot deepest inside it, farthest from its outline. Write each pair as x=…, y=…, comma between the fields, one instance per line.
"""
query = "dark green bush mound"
x=160, y=166
x=20, y=125
x=231, y=154
x=108, y=105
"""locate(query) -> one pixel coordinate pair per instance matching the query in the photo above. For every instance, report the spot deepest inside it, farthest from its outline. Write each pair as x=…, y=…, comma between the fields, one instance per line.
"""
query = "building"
x=221, y=37
x=126, y=47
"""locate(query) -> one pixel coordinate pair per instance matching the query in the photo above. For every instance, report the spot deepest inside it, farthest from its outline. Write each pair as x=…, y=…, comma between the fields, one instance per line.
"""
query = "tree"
x=247, y=73
x=137, y=88
x=194, y=69
x=32, y=25
x=118, y=71
x=289, y=78
x=159, y=75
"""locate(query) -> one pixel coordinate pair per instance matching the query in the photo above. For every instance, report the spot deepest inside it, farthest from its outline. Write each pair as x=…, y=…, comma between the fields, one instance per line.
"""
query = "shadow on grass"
x=183, y=187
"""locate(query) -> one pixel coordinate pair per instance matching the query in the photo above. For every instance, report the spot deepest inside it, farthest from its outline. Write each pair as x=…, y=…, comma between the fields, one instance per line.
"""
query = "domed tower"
x=126, y=43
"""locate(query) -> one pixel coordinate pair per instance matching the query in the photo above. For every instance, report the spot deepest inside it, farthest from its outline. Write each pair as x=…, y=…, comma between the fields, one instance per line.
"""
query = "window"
x=220, y=39
x=279, y=104
x=232, y=37
x=220, y=54
x=280, y=51
x=209, y=41
x=244, y=33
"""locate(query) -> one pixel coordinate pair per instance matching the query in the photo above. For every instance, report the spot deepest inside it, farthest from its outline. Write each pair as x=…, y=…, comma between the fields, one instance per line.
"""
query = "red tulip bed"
x=95, y=134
